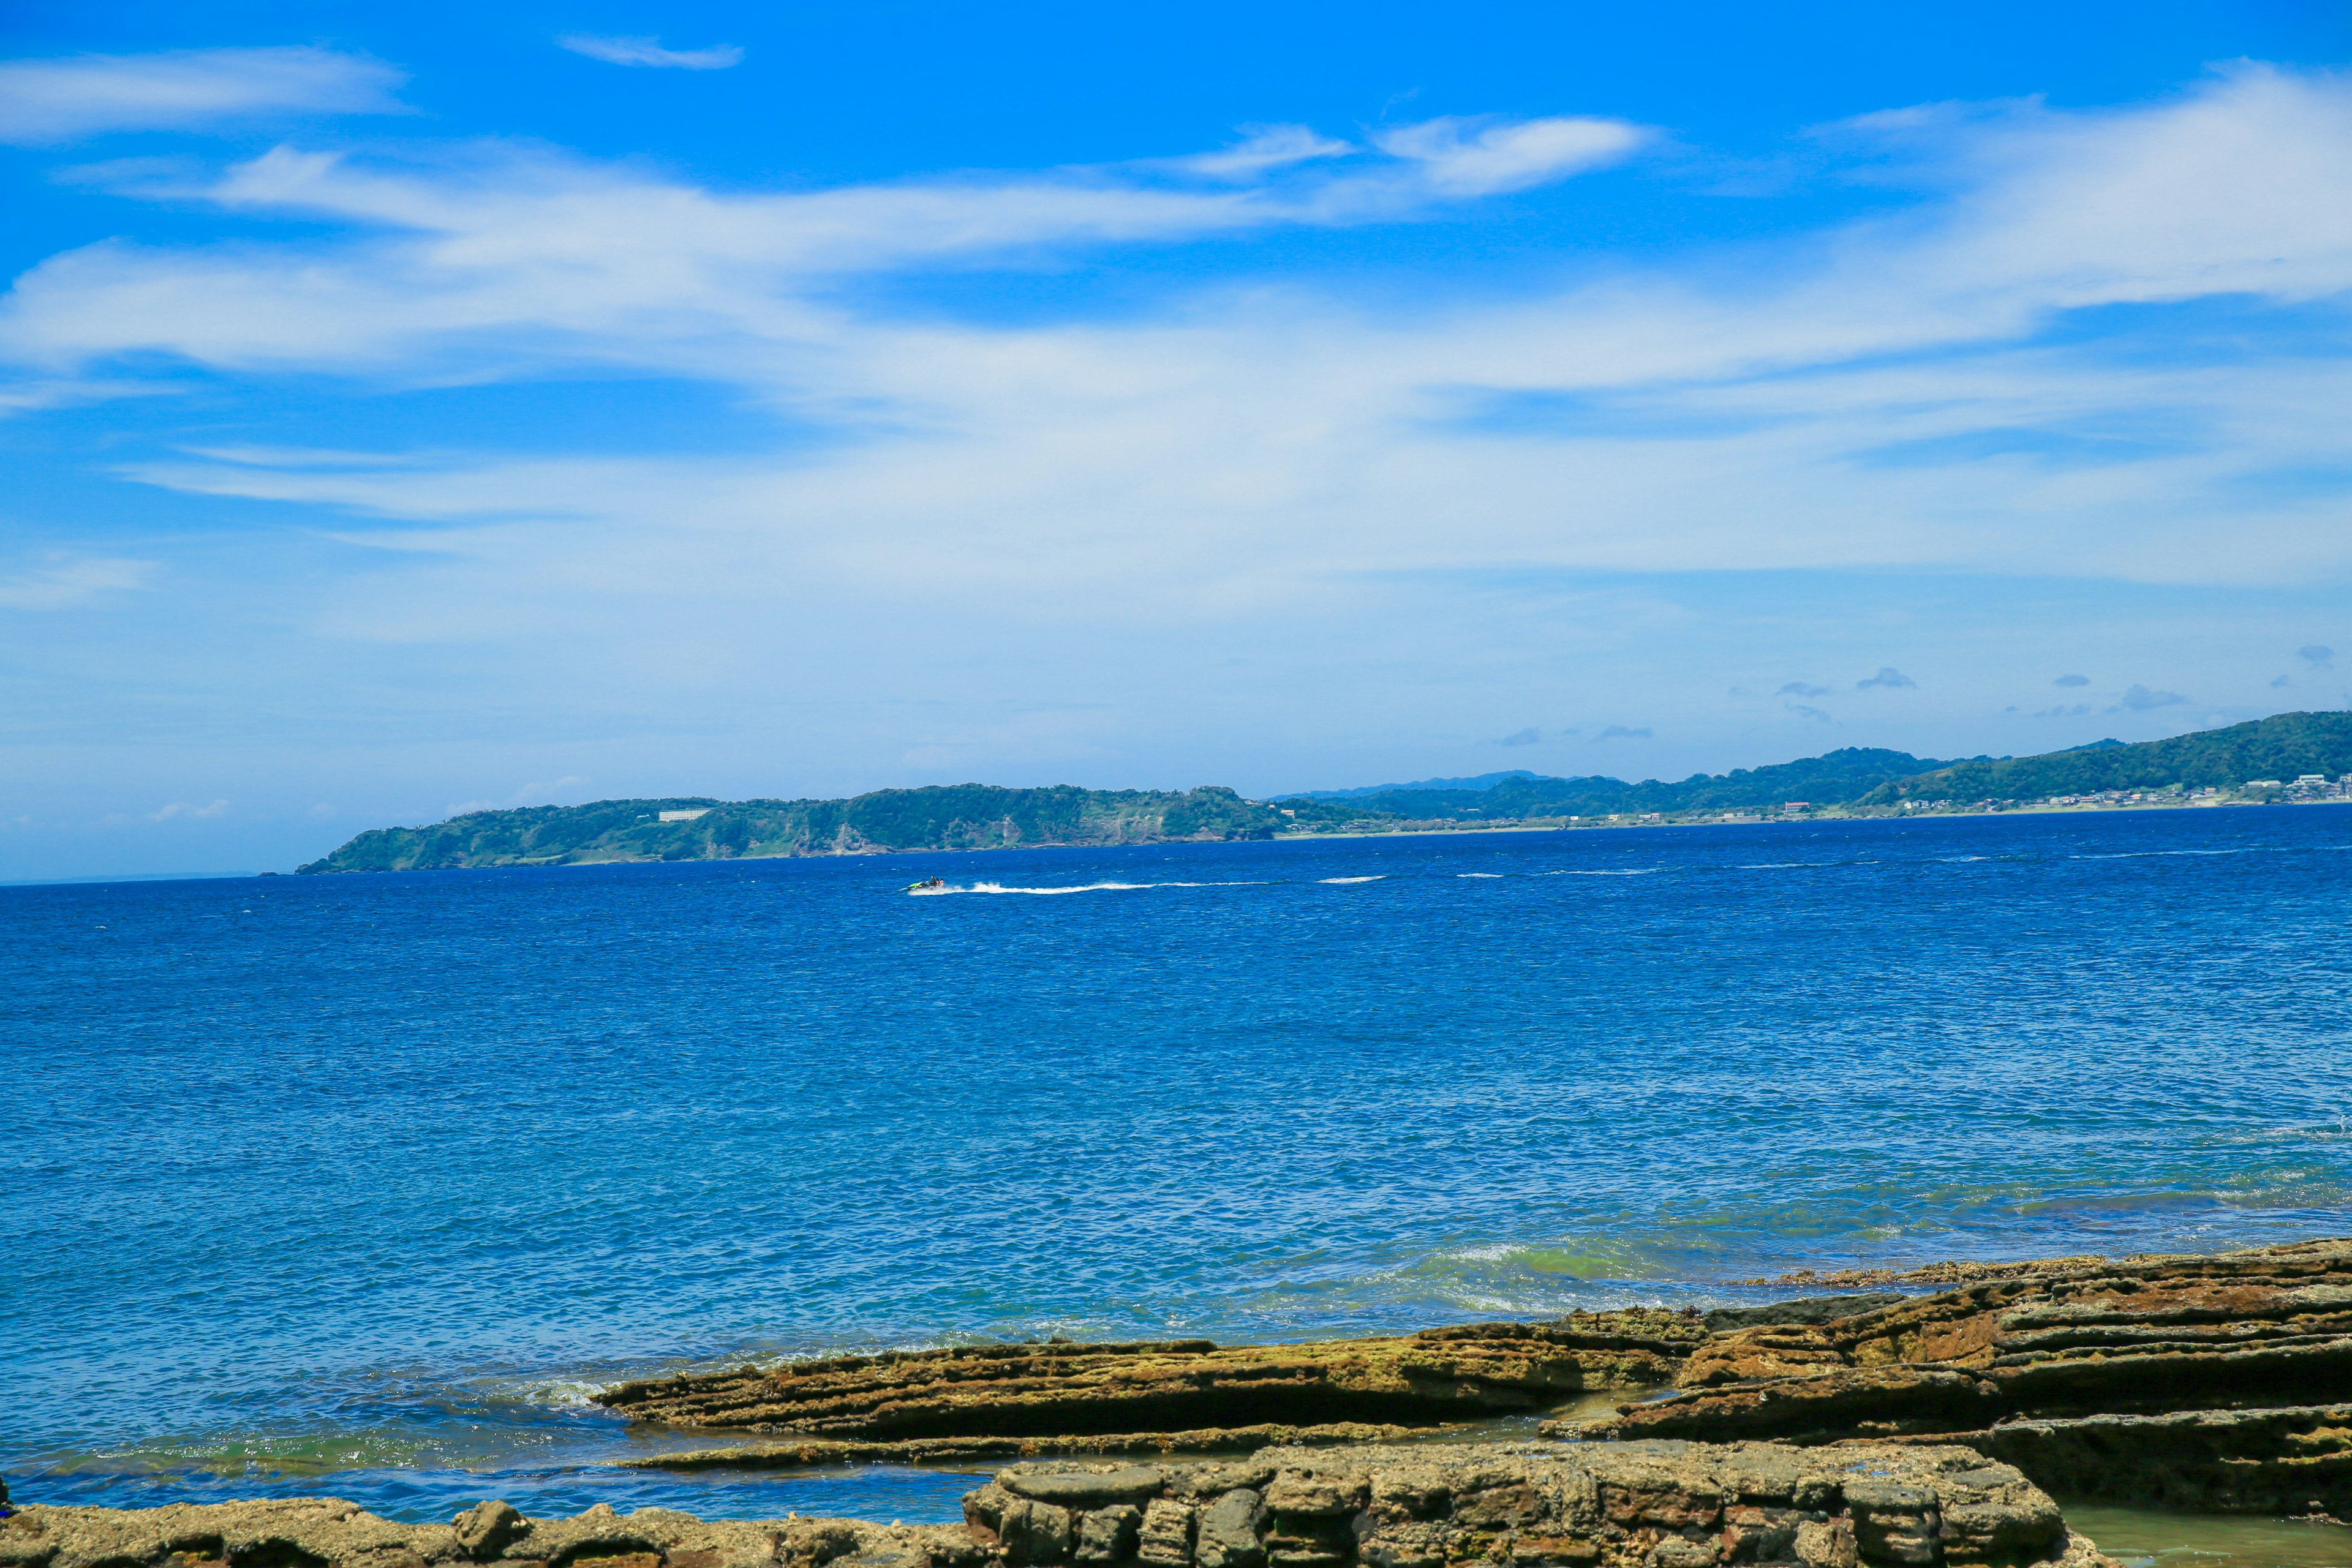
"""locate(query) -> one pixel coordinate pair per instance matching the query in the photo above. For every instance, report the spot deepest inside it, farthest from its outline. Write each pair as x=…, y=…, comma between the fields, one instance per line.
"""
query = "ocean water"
x=358, y=1185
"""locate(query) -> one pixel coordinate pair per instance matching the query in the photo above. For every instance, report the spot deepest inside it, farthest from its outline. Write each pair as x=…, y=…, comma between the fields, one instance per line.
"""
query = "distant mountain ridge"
x=2283, y=746
x=982, y=816
x=1476, y=782
x=1836, y=776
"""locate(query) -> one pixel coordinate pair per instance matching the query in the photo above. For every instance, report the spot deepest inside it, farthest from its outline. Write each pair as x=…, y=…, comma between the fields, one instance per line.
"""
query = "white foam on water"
x=1040, y=892
x=1641, y=871
x=1333, y=881
x=2147, y=853
x=1490, y=876
x=1080, y=888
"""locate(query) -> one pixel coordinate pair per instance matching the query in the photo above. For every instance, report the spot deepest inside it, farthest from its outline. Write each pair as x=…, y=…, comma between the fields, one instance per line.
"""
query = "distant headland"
x=2286, y=757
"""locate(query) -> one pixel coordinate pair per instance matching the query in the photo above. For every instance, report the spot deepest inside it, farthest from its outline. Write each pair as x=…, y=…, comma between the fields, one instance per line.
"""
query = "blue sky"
x=413, y=408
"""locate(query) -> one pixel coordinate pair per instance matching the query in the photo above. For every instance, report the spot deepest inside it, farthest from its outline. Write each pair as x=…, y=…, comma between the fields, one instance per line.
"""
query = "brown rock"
x=2295, y=1460
x=2259, y=1328
x=1618, y=1505
x=1077, y=1389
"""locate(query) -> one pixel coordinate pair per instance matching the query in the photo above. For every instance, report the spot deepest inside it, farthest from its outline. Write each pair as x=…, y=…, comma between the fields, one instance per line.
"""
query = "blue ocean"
x=360, y=1185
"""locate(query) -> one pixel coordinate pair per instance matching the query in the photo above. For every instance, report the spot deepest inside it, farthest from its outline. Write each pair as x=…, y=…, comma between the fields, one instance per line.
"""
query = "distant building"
x=686, y=815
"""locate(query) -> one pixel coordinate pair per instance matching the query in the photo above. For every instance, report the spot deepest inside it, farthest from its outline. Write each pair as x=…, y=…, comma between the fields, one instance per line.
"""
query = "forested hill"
x=1839, y=776
x=1856, y=780
x=2280, y=747
x=953, y=817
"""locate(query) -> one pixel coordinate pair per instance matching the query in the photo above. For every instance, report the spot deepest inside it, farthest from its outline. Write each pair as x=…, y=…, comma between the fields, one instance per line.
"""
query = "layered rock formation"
x=1052, y=1391
x=804, y=1453
x=1631, y=1505
x=2295, y=1461
x=2079, y=1343
x=1651, y=1504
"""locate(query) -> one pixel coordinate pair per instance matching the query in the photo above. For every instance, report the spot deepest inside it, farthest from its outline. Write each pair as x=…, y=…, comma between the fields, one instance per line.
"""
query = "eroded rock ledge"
x=1068, y=1391
x=2061, y=1370
x=1620, y=1505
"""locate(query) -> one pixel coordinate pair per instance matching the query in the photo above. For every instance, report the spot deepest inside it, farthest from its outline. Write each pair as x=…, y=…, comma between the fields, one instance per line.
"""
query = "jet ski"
x=928, y=885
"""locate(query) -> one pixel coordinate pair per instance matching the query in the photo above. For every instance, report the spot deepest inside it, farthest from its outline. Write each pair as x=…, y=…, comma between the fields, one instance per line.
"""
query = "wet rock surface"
x=807, y=1452
x=2295, y=1461
x=2075, y=1354
x=1621, y=1505
x=1067, y=1391
x=2146, y=1336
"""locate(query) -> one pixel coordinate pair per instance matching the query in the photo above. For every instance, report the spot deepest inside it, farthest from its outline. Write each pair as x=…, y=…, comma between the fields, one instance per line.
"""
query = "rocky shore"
x=2216, y=1383
x=1059, y=1395
x=1888, y=1430
x=2207, y=1381
x=1612, y=1505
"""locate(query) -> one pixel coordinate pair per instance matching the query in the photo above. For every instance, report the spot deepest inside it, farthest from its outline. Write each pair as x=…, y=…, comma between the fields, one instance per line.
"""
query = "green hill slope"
x=952, y=817
x=981, y=816
x=1838, y=776
x=2279, y=747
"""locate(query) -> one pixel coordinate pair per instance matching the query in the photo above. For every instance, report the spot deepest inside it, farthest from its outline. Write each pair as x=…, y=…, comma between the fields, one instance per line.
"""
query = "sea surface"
x=359, y=1185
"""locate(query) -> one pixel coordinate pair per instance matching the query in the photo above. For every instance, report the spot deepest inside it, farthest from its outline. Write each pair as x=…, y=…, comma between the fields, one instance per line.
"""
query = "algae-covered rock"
x=1068, y=1391
x=2062, y=1363
x=1618, y=1505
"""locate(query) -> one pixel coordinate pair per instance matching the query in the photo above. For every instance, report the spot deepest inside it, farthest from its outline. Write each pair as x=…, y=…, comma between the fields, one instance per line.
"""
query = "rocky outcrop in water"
x=1625, y=1505
x=1069, y=1391
x=2080, y=1343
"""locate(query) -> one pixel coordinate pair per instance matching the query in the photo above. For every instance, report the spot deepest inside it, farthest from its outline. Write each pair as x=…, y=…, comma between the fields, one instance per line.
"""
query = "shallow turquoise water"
x=357, y=1184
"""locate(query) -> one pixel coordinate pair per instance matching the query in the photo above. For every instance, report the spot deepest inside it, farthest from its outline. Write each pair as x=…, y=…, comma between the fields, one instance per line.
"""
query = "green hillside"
x=954, y=816
x=1838, y=776
x=980, y=817
x=2279, y=747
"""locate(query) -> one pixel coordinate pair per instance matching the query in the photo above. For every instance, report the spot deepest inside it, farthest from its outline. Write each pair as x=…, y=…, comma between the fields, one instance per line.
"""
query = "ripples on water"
x=361, y=1184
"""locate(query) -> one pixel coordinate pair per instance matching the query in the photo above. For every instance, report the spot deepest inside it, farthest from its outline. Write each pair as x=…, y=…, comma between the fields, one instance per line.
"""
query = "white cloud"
x=53, y=101
x=629, y=51
x=179, y=810
x=1264, y=148
x=1476, y=158
x=64, y=582
x=542, y=794
x=1262, y=458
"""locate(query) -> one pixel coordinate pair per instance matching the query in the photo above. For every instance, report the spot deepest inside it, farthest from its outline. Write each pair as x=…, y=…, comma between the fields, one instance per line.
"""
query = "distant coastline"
x=2290, y=758
x=1832, y=814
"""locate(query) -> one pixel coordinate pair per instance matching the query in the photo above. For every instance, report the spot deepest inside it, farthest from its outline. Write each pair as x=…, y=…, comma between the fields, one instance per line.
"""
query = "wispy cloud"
x=632, y=52
x=1518, y=738
x=2071, y=680
x=181, y=810
x=2138, y=698
x=1888, y=676
x=1253, y=454
x=1770, y=383
x=1624, y=733
x=2318, y=656
x=53, y=101
x=1482, y=157
x=1800, y=689
x=541, y=793
x=1263, y=148
x=64, y=582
